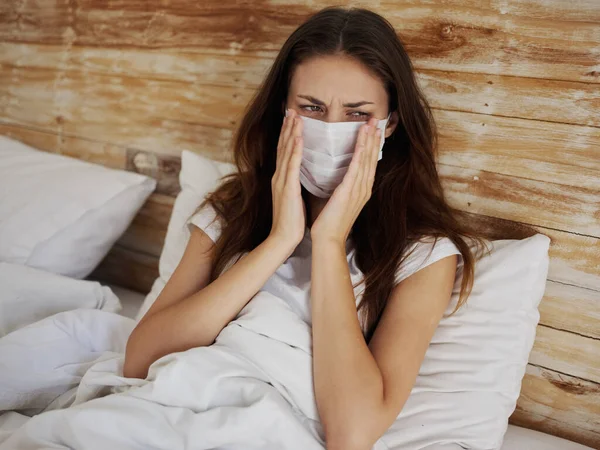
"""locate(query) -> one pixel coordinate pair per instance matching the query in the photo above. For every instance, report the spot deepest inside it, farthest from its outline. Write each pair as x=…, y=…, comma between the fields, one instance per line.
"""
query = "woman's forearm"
x=348, y=382
x=197, y=320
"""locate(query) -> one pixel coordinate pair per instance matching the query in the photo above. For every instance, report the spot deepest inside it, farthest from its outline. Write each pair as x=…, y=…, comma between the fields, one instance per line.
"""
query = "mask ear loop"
x=387, y=121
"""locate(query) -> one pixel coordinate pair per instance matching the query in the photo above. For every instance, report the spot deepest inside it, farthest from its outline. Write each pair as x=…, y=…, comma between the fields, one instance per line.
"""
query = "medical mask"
x=327, y=153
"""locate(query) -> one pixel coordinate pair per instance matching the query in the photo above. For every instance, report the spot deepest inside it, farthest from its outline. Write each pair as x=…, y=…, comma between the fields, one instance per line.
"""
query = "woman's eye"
x=359, y=114
x=311, y=108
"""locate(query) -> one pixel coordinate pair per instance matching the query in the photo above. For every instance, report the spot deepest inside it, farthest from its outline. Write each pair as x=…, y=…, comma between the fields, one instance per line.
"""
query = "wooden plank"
x=238, y=71
x=91, y=98
x=122, y=267
x=582, y=11
x=442, y=36
x=103, y=153
x=550, y=100
x=559, y=405
x=469, y=37
x=567, y=352
x=160, y=116
x=514, y=97
x=147, y=232
x=574, y=259
x=550, y=205
x=544, y=151
x=571, y=308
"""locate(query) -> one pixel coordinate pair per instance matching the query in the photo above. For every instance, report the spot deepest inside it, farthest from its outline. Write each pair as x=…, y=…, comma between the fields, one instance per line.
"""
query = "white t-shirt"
x=291, y=282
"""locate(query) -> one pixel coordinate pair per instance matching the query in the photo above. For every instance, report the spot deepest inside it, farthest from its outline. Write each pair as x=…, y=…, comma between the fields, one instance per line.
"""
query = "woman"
x=317, y=203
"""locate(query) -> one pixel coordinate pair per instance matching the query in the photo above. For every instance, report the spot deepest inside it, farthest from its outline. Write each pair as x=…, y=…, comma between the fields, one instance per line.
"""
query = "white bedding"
x=216, y=397
x=238, y=391
x=252, y=389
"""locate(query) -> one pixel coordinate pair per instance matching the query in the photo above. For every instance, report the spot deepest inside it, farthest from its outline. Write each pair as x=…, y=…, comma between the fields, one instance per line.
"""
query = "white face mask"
x=327, y=152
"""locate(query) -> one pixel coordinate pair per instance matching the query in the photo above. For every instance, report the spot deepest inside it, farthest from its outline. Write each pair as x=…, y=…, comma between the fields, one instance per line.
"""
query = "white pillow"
x=198, y=177
x=61, y=214
x=471, y=376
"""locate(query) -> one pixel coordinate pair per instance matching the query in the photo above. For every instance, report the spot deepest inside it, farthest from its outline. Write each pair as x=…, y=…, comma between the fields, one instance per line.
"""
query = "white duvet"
x=251, y=389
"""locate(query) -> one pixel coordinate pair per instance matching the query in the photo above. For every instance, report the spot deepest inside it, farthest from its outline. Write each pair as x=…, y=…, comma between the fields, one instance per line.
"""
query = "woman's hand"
x=343, y=207
x=289, y=211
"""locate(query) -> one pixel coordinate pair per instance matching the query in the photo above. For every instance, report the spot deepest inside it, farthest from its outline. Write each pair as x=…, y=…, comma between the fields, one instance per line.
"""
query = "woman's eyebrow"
x=316, y=101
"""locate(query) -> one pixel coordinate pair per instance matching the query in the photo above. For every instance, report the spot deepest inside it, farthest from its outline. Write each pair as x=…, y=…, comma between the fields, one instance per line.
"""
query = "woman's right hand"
x=289, y=211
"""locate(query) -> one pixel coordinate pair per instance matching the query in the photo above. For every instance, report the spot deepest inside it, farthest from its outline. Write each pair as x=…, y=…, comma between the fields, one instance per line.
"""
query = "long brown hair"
x=407, y=199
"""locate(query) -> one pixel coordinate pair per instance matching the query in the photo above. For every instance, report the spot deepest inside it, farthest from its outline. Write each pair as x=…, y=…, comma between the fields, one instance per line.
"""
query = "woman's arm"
x=361, y=389
x=189, y=313
x=181, y=319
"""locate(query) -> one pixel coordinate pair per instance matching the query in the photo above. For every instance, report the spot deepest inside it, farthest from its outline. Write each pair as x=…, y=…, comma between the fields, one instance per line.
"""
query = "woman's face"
x=338, y=89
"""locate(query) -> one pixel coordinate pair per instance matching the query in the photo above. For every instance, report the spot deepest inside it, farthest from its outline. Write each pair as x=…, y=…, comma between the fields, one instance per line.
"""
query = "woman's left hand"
x=348, y=199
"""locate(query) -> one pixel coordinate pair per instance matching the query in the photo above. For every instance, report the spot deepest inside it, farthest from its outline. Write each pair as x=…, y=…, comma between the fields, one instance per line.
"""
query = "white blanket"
x=251, y=389
x=61, y=363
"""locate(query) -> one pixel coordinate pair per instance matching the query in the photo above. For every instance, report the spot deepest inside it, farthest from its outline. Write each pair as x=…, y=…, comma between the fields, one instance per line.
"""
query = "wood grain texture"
x=572, y=308
x=532, y=149
x=488, y=40
x=567, y=352
x=222, y=70
x=97, y=152
x=159, y=116
x=492, y=94
x=550, y=205
x=560, y=405
x=81, y=104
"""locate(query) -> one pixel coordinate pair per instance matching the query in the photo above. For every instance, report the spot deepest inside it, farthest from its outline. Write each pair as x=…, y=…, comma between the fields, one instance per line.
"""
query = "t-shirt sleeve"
x=422, y=255
x=206, y=219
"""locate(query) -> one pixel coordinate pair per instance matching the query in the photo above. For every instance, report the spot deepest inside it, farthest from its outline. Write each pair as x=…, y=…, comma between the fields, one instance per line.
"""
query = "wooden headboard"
x=515, y=87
